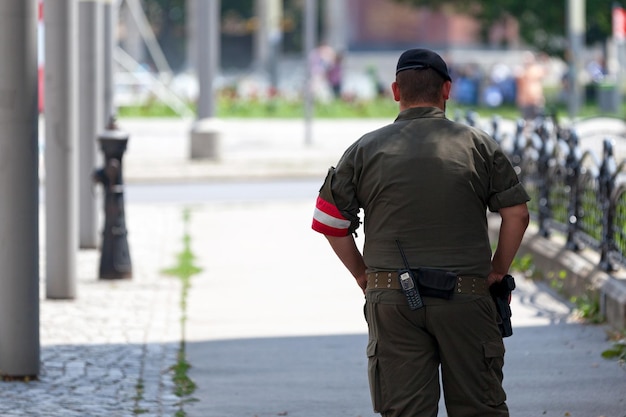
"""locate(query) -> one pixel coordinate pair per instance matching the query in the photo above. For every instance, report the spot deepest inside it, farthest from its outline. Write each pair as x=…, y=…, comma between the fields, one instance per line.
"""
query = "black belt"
x=464, y=284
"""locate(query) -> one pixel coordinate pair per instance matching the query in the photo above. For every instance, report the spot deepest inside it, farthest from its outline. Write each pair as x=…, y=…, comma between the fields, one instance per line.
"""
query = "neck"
x=440, y=106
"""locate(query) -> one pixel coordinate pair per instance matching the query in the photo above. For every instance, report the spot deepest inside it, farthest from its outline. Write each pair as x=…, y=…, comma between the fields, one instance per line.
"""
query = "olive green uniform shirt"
x=428, y=182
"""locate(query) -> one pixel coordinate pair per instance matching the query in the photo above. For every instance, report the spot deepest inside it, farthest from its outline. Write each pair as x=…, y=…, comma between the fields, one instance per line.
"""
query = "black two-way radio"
x=408, y=283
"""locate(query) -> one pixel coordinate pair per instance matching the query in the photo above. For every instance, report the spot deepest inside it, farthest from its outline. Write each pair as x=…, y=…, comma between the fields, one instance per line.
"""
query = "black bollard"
x=115, y=256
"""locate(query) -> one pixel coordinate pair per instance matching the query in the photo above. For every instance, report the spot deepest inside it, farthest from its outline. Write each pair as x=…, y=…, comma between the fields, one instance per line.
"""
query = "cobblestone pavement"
x=109, y=351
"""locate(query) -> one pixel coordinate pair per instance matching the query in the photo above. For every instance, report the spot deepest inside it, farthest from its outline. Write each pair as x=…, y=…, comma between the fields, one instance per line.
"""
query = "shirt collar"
x=420, y=112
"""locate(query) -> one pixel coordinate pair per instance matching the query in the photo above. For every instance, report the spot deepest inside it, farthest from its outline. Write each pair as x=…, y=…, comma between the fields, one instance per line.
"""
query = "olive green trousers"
x=407, y=348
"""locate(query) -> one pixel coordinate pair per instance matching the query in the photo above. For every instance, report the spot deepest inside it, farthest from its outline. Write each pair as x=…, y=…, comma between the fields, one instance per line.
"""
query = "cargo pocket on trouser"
x=373, y=374
x=494, y=360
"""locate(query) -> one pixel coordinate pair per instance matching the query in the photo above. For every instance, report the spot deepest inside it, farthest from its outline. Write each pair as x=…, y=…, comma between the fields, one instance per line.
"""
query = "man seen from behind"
x=425, y=184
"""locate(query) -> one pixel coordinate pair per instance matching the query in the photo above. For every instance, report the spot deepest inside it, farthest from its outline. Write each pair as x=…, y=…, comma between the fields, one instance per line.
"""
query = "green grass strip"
x=184, y=269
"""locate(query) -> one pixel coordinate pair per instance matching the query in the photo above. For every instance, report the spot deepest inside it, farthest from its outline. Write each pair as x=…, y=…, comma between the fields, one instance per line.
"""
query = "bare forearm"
x=514, y=223
x=346, y=250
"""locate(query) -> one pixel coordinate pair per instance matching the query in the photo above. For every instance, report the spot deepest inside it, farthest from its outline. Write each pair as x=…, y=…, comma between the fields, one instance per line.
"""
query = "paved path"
x=276, y=328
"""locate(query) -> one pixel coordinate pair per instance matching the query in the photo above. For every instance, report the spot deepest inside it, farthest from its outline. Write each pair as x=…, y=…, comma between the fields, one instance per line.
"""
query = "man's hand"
x=346, y=250
x=494, y=277
x=362, y=281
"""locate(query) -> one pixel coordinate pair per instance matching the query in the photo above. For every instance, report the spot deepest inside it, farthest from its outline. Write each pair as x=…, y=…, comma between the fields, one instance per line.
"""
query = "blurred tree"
x=542, y=22
x=244, y=8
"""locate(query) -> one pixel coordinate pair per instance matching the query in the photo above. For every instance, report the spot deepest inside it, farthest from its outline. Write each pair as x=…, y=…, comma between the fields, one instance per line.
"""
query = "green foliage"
x=184, y=270
x=184, y=386
x=620, y=218
x=591, y=213
x=559, y=195
x=282, y=108
x=152, y=109
x=244, y=8
x=139, y=388
x=557, y=280
x=275, y=108
x=618, y=350
x=588, y=308
x=524, y=264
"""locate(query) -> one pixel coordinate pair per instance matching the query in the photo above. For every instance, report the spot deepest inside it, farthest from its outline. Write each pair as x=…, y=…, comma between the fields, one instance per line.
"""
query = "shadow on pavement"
x=289, y=376
x=553, y=370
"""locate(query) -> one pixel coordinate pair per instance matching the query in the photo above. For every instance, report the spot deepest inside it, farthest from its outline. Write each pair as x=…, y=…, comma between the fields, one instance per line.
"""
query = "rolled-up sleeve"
x=506, y=189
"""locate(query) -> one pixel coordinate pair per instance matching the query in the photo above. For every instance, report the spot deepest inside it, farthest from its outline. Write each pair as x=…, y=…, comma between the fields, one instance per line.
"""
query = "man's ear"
x=396, y=91
x=447, y=87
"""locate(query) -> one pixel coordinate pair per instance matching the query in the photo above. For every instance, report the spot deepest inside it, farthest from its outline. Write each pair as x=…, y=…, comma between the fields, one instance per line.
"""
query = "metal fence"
x=574, y=191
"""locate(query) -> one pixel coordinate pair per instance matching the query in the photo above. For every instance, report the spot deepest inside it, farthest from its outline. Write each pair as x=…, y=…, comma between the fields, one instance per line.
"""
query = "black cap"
x=422, y=58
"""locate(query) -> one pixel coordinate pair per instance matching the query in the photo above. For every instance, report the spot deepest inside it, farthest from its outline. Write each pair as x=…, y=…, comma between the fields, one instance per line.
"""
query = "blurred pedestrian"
x=530, y=98
x=425, y=183
x=334, y=74
x=320, y=60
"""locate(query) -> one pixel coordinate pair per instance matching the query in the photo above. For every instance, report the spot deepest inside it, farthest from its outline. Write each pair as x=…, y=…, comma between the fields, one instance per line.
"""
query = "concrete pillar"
x=336, y=27
x=310, y=41
x=261, y=48
x=191, y=30
x=61, y=99
x=269, y=37
x=617, y=59
x=205, y=133
x=19, y=220
x=274, y=38
x=576, y=35
x=109, y=43
x=91, y=103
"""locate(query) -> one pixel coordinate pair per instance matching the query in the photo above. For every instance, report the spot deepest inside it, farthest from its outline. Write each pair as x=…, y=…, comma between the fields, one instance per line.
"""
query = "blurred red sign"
x=619, y=23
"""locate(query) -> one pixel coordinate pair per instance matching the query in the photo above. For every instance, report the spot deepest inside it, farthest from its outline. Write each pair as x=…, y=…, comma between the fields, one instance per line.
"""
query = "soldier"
x=424, y=184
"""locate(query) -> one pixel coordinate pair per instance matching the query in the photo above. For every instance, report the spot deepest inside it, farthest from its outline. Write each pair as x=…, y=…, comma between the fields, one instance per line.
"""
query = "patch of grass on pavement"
x=183, y=270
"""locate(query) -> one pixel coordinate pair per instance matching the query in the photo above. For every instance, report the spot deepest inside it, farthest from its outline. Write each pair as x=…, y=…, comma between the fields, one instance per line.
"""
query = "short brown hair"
x=419, y=86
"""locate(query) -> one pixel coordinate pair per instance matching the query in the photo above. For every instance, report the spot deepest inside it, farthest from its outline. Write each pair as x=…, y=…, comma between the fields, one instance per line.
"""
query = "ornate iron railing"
x=573, y=191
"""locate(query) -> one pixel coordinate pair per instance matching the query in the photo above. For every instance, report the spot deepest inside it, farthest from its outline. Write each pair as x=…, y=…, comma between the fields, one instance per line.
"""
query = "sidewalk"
x=249, y=149
x=276, y=328
x=274, y=325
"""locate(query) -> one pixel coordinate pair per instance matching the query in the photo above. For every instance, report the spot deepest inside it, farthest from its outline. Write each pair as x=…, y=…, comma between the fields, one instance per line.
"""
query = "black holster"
x=501, y=294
